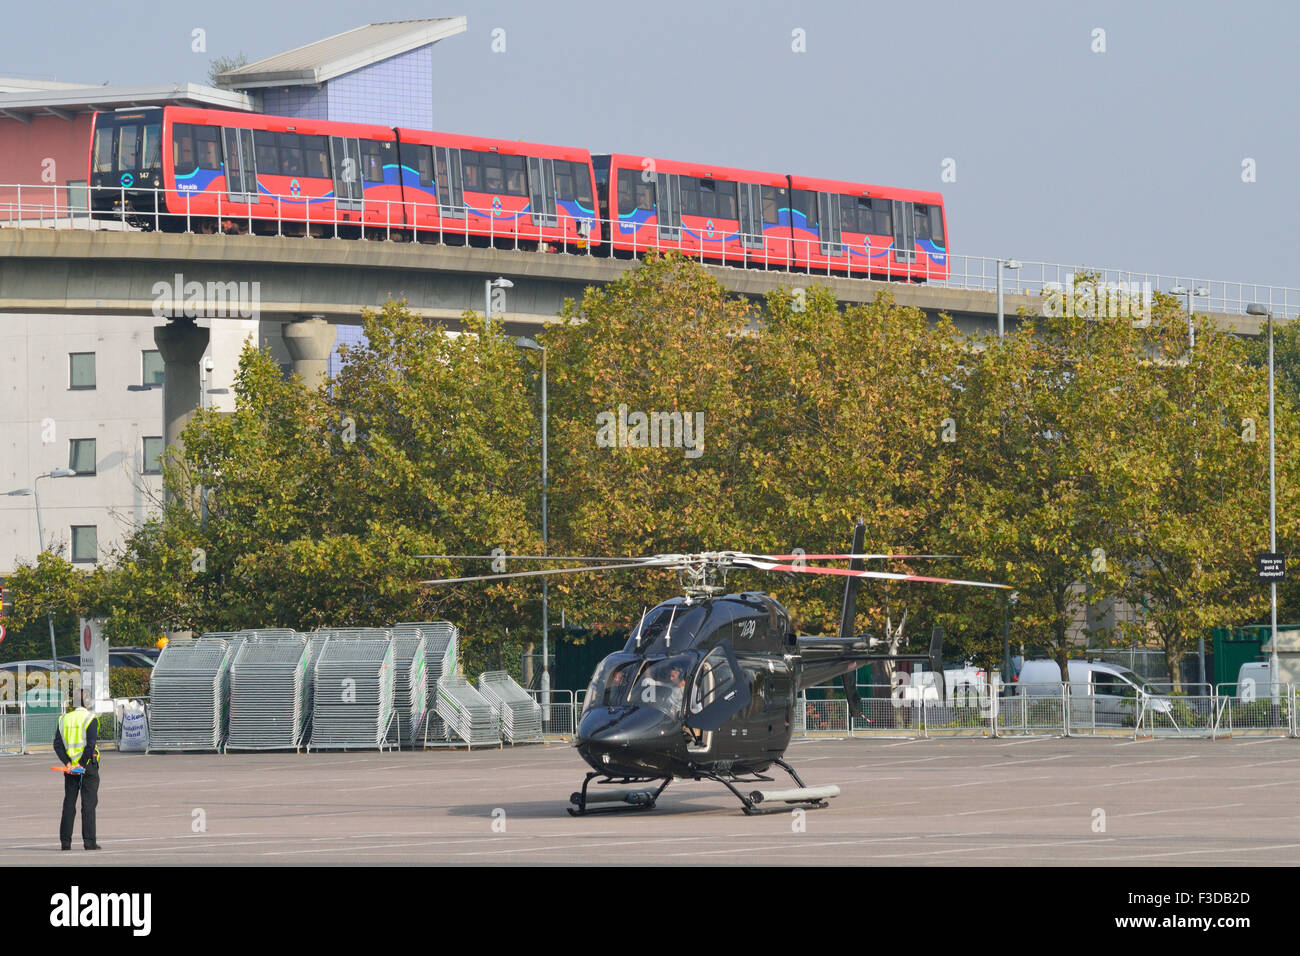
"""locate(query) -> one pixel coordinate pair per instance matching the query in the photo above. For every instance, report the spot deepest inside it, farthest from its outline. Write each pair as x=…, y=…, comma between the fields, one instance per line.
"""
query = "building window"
x=153, y=450
x=81, y=456
x=81, y=370
x=78, y=195
x=85, y=543
x=151, y=367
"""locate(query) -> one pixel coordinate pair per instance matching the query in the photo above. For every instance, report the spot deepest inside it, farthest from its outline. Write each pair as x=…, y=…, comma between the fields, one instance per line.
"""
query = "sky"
x=1149, y=136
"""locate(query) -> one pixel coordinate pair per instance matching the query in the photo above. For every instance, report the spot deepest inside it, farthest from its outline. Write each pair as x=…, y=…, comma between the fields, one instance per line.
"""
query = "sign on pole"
x=1271, y=566
x=94, y=664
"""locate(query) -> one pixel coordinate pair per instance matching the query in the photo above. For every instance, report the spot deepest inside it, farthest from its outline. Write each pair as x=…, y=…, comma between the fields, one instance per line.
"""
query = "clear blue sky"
x=1131, y=158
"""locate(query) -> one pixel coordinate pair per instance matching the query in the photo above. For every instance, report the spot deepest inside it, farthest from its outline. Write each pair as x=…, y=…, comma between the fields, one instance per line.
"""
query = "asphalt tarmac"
x=938, y=802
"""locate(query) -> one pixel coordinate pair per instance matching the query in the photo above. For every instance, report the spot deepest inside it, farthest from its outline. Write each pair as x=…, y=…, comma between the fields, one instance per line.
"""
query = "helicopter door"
x=719, y=693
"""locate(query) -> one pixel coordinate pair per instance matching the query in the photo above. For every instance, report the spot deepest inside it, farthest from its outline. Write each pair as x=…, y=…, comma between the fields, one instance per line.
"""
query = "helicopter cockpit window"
x=611, y=685
x=662, y=684
x=654, y=636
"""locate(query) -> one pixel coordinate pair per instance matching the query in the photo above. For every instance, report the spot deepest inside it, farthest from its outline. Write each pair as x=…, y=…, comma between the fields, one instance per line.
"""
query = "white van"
x=1255, y=682
x=1113, y=691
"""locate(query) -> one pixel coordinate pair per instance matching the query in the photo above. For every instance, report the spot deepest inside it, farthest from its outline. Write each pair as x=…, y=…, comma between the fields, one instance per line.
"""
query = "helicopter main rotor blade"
x=877, y=575
x=843, y=557
x=666, y=564
x=522, y=557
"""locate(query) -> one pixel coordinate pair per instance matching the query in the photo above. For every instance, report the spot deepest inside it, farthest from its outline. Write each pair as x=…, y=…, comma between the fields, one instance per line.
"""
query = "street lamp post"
x=532, y=346
x=1256, y=309
x=40, y=546
x=1189, y=292
x=488, y=286
x=1003, y=264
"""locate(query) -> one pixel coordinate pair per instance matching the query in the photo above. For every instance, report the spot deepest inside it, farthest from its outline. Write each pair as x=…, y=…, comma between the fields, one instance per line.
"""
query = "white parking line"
x=1040, y=806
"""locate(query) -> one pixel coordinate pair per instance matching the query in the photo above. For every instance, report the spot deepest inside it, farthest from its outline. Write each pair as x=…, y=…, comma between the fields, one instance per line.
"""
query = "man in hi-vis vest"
x=74, y=744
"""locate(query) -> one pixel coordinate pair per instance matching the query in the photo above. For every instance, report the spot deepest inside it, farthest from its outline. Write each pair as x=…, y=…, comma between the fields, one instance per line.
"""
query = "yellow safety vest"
x=72, y=726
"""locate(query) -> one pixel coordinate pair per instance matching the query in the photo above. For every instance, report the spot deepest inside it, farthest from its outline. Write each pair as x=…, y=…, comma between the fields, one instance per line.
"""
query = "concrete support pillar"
x=181, y=345
x=310, y=342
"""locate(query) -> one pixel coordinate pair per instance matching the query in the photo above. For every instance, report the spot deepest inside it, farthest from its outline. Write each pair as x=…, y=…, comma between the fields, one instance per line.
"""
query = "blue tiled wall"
x=394, y=92
x=307, y=102
x=349, y=335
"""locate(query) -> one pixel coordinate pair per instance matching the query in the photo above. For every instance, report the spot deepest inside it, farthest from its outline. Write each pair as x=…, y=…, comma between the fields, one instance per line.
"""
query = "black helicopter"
x=705, y=687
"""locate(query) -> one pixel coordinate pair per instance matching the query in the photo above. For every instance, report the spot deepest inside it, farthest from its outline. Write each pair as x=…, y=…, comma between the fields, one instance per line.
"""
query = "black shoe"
x=92, y=846
x=66, y=846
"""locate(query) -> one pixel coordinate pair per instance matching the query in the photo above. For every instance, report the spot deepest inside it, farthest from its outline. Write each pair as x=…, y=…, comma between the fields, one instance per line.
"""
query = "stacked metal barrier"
x=408, y=645
x=268, y=683
x=441, y=640
x=465, y=712
x=521, y=716
x=353, y=694
x=189, y=690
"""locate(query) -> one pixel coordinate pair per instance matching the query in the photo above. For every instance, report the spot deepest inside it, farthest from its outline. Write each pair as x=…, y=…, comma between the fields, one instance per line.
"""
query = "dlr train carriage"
x=180, y=168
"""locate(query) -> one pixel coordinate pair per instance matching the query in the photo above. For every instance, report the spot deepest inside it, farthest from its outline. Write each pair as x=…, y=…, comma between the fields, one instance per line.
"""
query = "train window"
x=572, y=182
x=289, y=146
x=372, y=161
x=936, y=224
x=921, y=218
x=601, y=164
x=418, y=160
x=128, y=147
x=184, y=160
x=626, y=195
x=884, y=217
x=774, y=200
x=645, y=195
x=103, y=153
x=805, y=202
x=315, y=157
x=563, y=182
x=471, y=170
x=152, y=147
x=206, y=148
x=691, y=202
x=516, y=177
x=268, y=162
x=724, y=200
x=849, y=215
x=866, y=218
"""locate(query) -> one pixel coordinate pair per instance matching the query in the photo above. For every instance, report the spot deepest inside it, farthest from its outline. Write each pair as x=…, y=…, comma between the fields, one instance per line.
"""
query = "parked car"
x=1113, y=690
x=1255, y=682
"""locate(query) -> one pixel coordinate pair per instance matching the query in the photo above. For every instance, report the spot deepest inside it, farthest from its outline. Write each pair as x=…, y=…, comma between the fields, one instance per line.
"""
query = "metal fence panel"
x=822, y=718
x=11, y=728
x=1257, y=714
x=1034, y=710
x=1177, y=716
x=886, y=716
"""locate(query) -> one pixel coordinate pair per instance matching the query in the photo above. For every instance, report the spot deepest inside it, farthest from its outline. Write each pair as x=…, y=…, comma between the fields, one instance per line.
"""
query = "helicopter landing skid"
x=623, y=800
x=782, y=801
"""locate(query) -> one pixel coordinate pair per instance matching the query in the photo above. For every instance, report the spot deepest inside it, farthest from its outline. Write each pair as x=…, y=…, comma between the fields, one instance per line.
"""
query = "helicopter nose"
x=610, y=729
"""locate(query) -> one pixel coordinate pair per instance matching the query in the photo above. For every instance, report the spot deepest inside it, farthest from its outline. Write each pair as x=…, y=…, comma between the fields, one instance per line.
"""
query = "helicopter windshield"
x=625, y=680
x=653, y=635
x=662, y=684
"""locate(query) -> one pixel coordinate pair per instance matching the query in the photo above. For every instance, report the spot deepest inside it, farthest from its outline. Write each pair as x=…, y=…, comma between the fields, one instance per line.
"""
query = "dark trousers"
x=87, y=785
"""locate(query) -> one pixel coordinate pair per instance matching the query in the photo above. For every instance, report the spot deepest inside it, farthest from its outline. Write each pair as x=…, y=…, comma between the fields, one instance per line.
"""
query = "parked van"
x=1113, y=690
x=1255, y=682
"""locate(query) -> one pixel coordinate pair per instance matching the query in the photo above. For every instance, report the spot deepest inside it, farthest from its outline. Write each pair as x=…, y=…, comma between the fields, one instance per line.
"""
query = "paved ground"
x=955, y=801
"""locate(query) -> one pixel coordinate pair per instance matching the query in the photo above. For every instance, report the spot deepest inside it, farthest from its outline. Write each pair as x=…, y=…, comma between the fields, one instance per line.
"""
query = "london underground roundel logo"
x=708, y=228
x=127, y=179
x=295, y=187
x=496, y=202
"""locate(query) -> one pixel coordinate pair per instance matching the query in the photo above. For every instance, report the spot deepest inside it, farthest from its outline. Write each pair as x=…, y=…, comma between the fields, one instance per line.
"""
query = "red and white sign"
x=2, y=632
x=94, y=664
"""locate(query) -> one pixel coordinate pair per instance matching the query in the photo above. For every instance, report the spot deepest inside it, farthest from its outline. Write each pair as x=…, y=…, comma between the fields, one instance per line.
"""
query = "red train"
x=178, y=168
